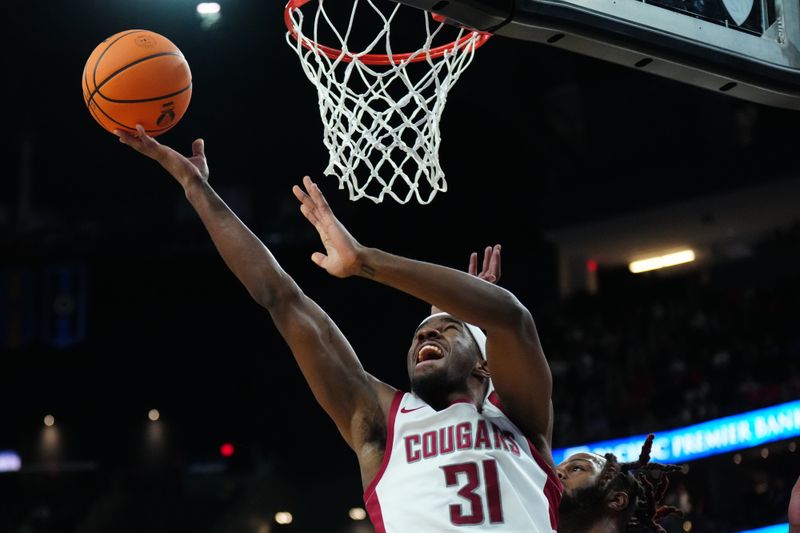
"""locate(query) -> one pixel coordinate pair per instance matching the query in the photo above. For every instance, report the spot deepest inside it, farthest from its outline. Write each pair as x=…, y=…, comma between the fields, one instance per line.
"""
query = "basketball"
x=137, y=77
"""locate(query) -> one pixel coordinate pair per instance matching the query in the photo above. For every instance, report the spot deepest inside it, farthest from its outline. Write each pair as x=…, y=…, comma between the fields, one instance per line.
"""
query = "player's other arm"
x=353, y=399
x=519, y=369
x=490, y=272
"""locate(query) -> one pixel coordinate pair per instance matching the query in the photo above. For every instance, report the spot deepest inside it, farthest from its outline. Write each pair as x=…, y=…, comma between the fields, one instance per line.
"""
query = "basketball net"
x=380, y=119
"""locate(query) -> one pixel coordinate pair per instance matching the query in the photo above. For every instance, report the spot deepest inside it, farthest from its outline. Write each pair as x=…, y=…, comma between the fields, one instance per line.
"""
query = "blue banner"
x=65, y=309
x=9, y=461
x=780, y=528
x=703, y=440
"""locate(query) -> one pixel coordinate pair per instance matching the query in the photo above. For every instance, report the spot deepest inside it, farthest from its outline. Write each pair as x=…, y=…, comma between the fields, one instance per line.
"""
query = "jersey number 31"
x=467, y=491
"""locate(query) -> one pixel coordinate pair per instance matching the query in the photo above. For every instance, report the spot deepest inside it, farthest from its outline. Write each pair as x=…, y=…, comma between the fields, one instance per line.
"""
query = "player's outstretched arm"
x=519, y=369
x=794, y=509
x=354, y=400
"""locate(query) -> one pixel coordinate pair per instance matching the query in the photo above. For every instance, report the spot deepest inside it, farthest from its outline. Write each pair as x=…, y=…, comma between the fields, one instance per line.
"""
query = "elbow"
x=272, y=295
x=519, y=319
x=515, y=315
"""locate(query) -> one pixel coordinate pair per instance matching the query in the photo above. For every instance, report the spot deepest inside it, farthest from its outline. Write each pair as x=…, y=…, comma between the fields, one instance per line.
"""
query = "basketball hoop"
x=380, y=116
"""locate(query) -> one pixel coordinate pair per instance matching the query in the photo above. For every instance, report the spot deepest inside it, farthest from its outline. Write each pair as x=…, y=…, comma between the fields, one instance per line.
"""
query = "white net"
x=380, y=110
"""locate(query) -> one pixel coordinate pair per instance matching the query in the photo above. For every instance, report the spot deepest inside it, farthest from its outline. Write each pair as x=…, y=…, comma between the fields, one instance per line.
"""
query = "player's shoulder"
x=385, y=393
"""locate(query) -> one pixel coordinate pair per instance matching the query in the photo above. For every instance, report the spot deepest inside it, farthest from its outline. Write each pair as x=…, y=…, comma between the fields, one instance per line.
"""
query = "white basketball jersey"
x=460, y=470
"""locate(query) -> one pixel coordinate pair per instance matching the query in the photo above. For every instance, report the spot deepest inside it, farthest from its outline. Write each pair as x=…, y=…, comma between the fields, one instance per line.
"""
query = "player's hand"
x=794, y=509
x=342, y=251
x=490, y=269
x=187, y=170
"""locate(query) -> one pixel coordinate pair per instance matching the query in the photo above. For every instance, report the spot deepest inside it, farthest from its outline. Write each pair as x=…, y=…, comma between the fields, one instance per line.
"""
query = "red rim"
x=380, y=59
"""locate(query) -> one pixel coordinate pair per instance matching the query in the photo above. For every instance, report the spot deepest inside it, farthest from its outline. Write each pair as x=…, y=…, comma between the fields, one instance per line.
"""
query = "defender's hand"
x=187, y=170
x=342, y=251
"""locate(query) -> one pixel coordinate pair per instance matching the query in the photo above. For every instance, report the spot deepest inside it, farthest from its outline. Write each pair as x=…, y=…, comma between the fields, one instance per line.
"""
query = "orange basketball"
x=137, y=77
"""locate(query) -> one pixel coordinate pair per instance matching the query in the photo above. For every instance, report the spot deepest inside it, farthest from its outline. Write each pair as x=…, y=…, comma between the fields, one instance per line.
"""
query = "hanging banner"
x=64, y=314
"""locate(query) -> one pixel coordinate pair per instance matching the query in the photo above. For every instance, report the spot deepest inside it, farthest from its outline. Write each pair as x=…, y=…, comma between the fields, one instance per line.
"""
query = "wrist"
x=193, y=187
x=366, y=262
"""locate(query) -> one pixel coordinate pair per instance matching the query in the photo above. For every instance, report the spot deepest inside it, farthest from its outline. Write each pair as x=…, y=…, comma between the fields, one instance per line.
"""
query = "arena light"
x=208, y=8
x=283, y=517
x=723, y=435
x=153, y=415
x=9, y=461
x=209, y=14
x=50, y=444
x=662, y=261
x=357, y=513
x=49, y=420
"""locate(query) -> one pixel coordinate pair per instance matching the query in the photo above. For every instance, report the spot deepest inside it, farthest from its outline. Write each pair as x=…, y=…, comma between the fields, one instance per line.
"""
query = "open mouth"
x=429, y=352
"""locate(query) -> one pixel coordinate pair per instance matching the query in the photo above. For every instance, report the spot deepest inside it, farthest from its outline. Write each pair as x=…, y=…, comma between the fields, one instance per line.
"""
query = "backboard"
x=748, y=49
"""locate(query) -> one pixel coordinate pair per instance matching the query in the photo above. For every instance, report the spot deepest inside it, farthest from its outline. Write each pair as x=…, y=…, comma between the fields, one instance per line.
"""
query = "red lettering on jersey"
x=498, y=438
x=447, y=441
x=412, y=456
x=430, y=447
x=512, y=442
x=464, y=436
x=482, y=436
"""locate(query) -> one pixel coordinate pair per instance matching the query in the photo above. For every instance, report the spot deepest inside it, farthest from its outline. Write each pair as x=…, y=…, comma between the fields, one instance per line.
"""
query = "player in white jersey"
x=450, y=456
x=602, y=495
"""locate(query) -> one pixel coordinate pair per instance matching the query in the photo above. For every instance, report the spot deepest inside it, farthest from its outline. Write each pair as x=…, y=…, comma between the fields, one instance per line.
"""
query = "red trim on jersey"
x=553, y=488
x=494, y=399
x=370, y=498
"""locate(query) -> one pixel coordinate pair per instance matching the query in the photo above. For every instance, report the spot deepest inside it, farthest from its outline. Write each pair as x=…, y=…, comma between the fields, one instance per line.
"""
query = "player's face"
x=442, y=350
x=580, y=471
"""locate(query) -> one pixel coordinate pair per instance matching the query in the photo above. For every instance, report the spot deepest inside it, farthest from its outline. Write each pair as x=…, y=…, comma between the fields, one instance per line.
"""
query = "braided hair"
x=645, y=483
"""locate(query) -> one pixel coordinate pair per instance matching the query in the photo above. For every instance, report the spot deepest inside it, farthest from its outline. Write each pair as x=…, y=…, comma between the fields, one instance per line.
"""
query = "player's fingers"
x=199, y=148
x=319, y=259
x=147, y=145
x=495, y=261
x=473, y=264
x=299, y=193
x=316, y=194
x=307, y=206
x=487, y=259
x=308, y=185
x=309, y=213
x=127, y=138
x=302, y=196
